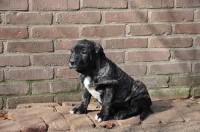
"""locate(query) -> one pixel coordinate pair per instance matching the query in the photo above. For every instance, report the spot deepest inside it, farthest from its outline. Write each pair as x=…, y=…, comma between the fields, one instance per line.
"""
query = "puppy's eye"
x=83, y=52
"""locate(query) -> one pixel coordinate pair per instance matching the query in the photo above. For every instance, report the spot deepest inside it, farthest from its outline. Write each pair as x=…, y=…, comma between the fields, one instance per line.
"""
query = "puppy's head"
x=83, y=55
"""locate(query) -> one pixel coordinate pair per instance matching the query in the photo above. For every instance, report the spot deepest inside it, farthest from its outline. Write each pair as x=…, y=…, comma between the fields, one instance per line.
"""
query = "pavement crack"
x=142, y=128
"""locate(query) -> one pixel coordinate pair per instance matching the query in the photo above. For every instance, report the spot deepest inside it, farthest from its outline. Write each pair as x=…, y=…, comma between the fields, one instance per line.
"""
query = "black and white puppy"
x=119, y=94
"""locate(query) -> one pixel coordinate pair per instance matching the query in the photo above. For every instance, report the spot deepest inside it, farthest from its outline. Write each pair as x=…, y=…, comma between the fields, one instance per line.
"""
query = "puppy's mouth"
x=72, y=66
x=75, y=67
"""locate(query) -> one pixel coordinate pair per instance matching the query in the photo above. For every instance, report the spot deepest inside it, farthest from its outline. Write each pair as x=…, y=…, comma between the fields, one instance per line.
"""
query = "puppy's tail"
x=145, y=113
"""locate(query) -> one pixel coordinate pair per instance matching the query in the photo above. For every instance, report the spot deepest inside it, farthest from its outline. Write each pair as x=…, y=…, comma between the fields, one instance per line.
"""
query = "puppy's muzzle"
x=72, y=63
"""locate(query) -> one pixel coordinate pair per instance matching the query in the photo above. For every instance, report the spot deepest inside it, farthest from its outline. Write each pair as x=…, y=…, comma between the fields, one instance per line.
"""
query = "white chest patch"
x=92, y=90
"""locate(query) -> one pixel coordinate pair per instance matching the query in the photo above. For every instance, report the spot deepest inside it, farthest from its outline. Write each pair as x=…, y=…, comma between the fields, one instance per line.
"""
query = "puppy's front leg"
x=82, y=108
x=106, y=105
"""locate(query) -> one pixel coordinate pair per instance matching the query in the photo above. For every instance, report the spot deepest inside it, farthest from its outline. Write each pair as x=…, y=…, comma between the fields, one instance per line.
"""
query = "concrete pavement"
x=167, y=116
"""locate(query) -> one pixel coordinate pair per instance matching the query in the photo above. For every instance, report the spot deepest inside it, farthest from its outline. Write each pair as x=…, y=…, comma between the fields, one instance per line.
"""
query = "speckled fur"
x=120, y=95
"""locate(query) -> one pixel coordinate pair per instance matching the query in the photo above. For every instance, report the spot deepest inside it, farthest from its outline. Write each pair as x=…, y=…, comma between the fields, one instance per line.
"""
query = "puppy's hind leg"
x=141, y=108
x=128, y=112
x=145, y=113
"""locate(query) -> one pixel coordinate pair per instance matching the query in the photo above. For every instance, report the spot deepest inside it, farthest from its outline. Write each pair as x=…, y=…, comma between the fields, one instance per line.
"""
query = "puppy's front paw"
x=78, y=110
x=100, y=117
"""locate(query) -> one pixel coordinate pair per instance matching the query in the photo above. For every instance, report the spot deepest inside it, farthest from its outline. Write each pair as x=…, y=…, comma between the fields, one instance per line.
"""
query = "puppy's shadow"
x=159, y=106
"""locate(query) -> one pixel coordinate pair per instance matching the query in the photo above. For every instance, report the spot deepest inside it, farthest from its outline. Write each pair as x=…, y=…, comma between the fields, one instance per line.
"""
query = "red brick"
x=117, y=57
x=79, y=17
x=186, y=54
x=50, y=59
x=59, y=98
x=37, y=105
x=151, y=119
x=170, y=68
x=15, y=114
x=14, y=5
x=170, y=42
x=67, y=44
x=72, y=104
x=1, y=19
x=64, y=44
x=197, y=41
x=126, y=43
x=14, y=60
x=29, y=74
x=196, y=81
x=151, y=3
x=185, y=81
x=195, y=107
x=193, y=116
x=63, y=109
x=54, y=32
x=30, y=46
x=66, y=73
x=13, y=33
x=167, y=116
x=54, y=87
x=191, y=28
x=104, y=4
x=36, y=124
x=28, y=18
x=1, y=47
x=171, y=16
x=187, y=113
x=169, y=93
x=197, y=15
x=156, y=55
x=55, y=121
x=55, y=5
x=39, y=88
x=133, y=121
x=61, y=86
x=150, y=29
x=8, y=126
x=73, y=4
x=197, y=67
x=103, y=31
x=134, y=70
x=13, y=89
x=1, y=75
x=84, y=123
x=125, y=16
x=94, y=106
x=12, y=102
x=187, y=3
x=155, y=82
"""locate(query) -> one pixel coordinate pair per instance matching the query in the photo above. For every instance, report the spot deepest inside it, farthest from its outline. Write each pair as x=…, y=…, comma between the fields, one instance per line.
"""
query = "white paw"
x=97, y=118
x=71, y=112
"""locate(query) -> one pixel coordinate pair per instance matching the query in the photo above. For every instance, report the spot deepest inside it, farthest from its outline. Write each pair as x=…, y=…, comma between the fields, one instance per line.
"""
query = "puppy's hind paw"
x=98, y=118
x=71, y=112
x=101, y=118
x=120, y=115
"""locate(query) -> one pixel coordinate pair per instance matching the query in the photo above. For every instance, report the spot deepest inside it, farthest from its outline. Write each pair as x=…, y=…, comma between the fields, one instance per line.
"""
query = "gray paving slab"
x=55, y=121
x=168, y=116
x=14, y=114
x=8, y=126
x=173, y=127
x=31, y=123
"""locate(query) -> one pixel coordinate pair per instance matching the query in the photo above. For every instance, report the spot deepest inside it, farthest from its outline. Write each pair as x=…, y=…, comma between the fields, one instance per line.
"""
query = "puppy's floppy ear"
x=98, y=49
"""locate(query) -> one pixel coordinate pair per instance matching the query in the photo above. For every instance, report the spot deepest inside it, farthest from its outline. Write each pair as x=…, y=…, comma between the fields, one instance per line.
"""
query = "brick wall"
x=155, y=41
